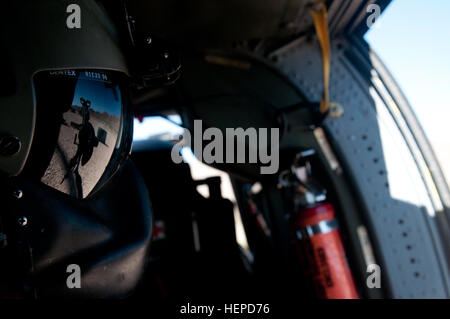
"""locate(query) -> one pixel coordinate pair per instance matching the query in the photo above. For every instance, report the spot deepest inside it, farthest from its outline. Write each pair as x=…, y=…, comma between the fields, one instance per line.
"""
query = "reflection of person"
x=87, y=140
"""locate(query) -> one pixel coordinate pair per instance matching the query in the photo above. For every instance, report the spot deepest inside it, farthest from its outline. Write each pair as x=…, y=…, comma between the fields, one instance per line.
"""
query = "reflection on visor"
x=88, y=130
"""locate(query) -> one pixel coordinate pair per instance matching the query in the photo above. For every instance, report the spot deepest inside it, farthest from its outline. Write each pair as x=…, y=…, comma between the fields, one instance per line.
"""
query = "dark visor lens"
x=78, y=129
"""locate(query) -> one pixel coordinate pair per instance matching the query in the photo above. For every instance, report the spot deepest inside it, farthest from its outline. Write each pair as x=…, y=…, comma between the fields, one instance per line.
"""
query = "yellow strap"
x=318, y=12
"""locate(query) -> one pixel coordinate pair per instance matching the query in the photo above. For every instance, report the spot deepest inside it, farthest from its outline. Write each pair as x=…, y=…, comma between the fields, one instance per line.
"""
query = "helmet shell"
x=35, y=37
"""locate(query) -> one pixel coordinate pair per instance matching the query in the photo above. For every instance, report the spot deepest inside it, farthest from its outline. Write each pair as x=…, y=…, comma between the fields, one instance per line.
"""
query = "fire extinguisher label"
x=328, y=266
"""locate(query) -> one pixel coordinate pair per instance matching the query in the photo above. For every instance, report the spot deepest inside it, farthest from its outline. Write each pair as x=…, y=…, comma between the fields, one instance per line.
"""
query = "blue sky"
x=102, y=99
x=413, y=39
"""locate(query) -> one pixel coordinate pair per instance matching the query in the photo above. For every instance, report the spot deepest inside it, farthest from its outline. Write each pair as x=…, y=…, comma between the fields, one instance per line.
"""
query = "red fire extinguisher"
x=321, y=251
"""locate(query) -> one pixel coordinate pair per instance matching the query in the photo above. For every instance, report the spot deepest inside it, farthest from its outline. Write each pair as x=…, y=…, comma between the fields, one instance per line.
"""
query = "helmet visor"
x=82, y=131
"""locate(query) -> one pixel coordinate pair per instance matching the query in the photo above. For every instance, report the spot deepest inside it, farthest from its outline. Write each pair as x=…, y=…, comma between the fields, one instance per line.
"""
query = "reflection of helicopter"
x=87, y=140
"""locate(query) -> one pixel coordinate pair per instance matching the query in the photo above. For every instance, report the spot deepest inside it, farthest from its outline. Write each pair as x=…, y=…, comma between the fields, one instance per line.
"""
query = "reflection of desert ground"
x=92, y=171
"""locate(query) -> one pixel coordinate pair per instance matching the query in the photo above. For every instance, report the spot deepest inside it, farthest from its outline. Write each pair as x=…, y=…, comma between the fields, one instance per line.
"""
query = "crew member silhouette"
x=87, y=140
